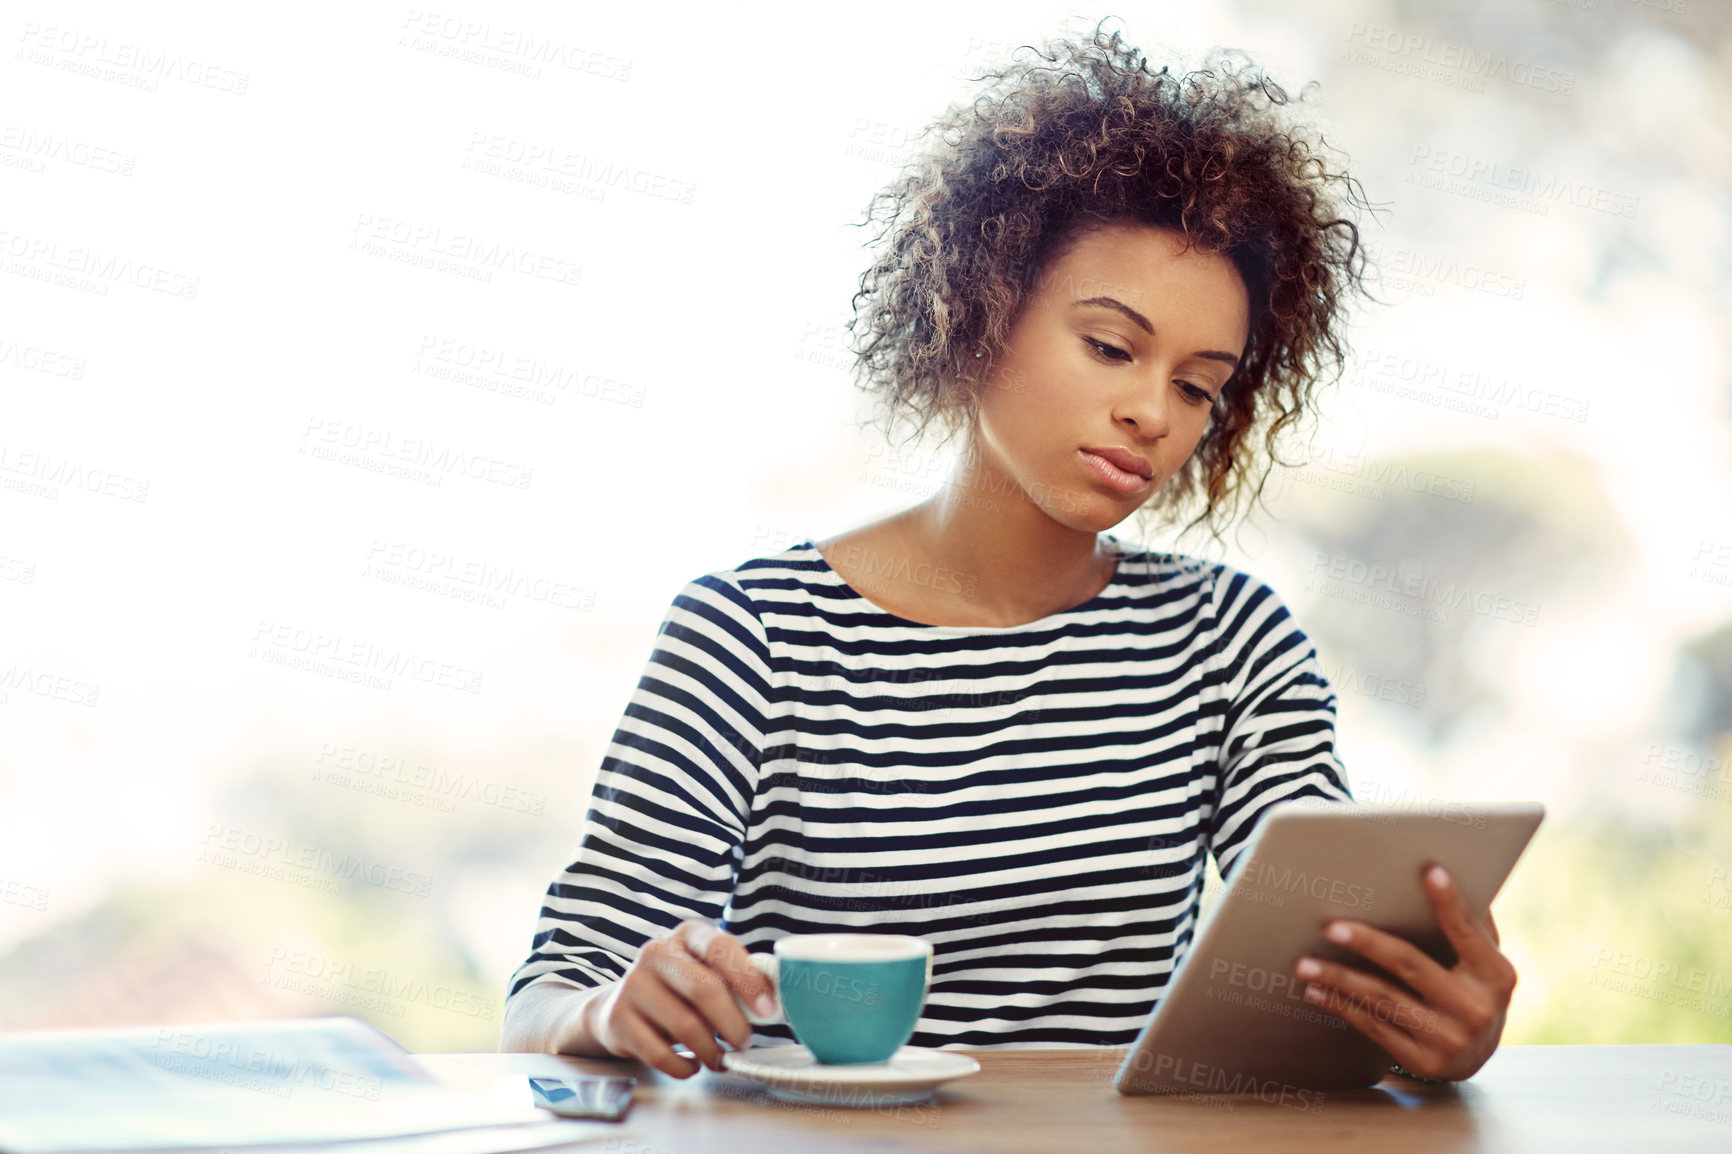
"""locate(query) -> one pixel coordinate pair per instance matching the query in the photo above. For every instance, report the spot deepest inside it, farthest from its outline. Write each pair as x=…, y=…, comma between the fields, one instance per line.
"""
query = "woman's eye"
x=1195, y=394
x=1102, y=348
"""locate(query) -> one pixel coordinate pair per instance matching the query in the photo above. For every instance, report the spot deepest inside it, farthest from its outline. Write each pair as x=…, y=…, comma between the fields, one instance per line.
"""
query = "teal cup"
x=851, y=999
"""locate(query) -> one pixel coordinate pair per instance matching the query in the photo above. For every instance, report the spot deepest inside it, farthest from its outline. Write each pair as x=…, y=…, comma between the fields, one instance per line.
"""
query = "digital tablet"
x=1234, y=1017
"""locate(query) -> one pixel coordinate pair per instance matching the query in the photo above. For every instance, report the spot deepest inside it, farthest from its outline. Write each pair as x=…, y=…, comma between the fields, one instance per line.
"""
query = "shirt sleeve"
x=667, y=818
x=1278, y=724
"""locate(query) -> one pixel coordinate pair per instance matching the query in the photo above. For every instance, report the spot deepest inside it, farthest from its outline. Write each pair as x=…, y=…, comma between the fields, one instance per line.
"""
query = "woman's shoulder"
x=1141, y=564
x=1238, y=599
x=780, y=575
x=775, y=565
x=1168, y=573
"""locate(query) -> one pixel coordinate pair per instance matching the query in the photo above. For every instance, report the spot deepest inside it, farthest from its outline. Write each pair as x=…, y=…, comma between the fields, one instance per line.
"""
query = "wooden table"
x=1541, y=1098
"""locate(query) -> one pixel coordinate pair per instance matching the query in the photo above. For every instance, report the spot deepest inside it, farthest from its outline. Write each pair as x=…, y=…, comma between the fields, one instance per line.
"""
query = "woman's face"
x=1123, y=343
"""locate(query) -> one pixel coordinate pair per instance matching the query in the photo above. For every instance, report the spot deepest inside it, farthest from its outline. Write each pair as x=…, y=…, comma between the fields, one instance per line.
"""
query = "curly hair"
x=1048, y=153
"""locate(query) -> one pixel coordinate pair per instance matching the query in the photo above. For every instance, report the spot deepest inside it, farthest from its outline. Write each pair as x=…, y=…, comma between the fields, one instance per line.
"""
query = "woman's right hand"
x=680, y=989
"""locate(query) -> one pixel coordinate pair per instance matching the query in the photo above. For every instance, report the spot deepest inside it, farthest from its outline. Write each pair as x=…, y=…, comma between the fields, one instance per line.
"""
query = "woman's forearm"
x=552, y=1018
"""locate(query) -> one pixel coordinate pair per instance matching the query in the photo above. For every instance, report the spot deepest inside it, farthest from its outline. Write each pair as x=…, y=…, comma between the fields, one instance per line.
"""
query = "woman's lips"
x=1110, y=474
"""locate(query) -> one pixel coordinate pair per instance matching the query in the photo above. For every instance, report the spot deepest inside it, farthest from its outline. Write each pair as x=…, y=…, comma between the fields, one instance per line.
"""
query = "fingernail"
x=1308, y=968
x=764, y=1006
x=1338, y=932
x=1438, y=876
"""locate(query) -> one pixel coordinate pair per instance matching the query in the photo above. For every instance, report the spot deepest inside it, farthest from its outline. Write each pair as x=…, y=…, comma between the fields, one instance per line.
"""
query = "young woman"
x=985, y=720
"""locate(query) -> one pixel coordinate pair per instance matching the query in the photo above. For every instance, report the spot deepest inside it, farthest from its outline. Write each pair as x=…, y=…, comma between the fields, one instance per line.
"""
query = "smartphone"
x=606, y=1099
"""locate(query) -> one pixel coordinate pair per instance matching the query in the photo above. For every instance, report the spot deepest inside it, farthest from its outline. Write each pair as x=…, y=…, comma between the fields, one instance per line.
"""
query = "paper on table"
x=225, y=1084
x=531, y=1136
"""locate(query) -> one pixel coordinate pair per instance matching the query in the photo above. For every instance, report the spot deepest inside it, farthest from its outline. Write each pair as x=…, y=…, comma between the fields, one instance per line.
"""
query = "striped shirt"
x=1036, y=800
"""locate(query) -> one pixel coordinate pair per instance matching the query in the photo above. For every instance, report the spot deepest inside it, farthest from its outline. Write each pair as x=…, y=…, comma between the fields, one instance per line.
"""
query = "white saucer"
x=791, y=1073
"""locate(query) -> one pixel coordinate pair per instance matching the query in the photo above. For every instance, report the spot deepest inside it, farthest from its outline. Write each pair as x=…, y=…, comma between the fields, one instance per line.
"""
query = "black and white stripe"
x=1036, y=800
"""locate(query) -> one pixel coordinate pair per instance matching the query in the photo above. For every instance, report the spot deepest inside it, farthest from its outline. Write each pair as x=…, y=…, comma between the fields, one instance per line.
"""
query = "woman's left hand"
x=1453, y=1027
